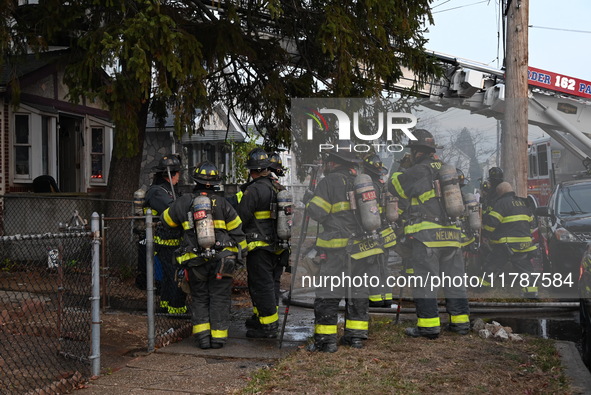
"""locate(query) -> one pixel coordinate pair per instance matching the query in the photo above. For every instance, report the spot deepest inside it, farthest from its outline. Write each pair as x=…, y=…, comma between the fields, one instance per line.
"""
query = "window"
x=97, y=155
x=543, y=159
x=575, y=200
x=22, y=146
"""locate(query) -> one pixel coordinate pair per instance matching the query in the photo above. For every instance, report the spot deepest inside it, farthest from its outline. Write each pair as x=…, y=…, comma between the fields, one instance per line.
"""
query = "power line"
x=556, y=28
x=462, y=6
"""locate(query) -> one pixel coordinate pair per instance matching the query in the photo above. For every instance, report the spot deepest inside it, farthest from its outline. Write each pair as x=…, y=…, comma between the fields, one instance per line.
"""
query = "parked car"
x=585, y=306
x=565, y=227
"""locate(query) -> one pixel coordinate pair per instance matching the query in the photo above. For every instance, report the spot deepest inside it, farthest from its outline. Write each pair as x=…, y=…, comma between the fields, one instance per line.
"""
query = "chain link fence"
x=46, y=284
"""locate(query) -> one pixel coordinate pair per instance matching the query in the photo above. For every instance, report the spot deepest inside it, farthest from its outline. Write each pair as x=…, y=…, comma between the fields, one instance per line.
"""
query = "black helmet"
x=257, y=159
x=461, y=178
x=207, y=173
x=276, y=164
x=343, y=151
x=424, y=139
x=496, y=174
x=168, y=163
x=373, y=163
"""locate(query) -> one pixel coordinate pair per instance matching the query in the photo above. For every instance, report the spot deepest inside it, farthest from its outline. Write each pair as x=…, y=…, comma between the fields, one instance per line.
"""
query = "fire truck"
x=549, y=164
x=559, y=105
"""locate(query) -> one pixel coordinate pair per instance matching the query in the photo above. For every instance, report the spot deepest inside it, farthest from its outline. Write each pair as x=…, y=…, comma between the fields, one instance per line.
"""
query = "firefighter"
x=340, y=244
x=276, y=164
x=507, y=230
x=159, y=197
x=258, y=211
x=209, y=274
x=434, y=239
x=380, y=295
x=495, y=177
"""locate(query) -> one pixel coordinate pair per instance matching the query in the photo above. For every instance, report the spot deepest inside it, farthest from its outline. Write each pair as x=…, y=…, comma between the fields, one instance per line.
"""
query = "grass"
x=392, y=363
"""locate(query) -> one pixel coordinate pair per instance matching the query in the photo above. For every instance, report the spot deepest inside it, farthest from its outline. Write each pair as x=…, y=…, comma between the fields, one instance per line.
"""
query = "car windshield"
x=575, y=200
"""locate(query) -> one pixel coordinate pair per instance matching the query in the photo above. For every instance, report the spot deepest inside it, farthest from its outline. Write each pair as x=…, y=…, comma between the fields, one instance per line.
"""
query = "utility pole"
x=514, y=141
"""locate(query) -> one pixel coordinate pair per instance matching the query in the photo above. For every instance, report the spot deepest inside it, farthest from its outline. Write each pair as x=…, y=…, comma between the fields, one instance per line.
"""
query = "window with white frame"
x=97, y=155
x=22, y=146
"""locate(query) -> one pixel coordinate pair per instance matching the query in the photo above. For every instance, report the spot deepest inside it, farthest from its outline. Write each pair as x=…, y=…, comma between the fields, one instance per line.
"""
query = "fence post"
x=96, y=296
x=150, y=281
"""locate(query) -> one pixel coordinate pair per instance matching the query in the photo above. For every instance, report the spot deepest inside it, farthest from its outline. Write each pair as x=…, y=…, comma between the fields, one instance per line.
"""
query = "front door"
x=69, y=143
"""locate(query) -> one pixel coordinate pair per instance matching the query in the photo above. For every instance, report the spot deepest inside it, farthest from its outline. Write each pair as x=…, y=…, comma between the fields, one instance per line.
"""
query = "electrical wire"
x=559, y=29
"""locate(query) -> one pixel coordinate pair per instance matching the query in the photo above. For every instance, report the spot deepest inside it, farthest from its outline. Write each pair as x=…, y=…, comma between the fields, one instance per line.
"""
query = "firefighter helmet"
x=461, y=178
x=207, y=173
x=276, y=164
x=496, y=174
x=424, y=140
x=373, y=164
x=257, y=159
x=343, y=151
x=168, y=163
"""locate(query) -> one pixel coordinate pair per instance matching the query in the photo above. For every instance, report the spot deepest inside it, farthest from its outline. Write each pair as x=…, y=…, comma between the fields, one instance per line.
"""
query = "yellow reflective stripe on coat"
x=154, y=212
x=186, y=257
x=262, y=214
x=426, y=225
x=358, y=325
x=166, y=242
x=428, y=322
x=254, y=244
x=201, y=328
x=325, y=329
x=219, y=224
x=323, y=204
x=460, y=319
x=446, y=243
x=340, y=206
x=516, y=218
x=220, y=334
x=236, y=222
x=239, y=195
x=422, y=198
x=502, y=240
x=332, y=243
x=397, y=186
x=168, y=220
x=496, y=215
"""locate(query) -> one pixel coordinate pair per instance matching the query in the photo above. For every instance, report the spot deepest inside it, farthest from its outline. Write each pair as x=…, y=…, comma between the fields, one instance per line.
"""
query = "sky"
x=471, y=29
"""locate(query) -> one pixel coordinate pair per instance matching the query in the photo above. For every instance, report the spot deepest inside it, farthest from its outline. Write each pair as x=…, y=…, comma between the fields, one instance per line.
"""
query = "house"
x=213, y=143
x=47, y=134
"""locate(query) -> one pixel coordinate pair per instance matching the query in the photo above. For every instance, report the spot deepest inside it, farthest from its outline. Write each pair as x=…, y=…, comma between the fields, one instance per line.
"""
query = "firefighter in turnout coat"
x=266, y=258
x=209, y=273
x=507, y=227
x=159, y=197
x=434, y=238
x=346, y=254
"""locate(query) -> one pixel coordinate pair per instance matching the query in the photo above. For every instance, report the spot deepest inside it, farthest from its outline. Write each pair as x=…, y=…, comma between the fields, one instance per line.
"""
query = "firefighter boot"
x=264, y=331
x=415, y=332
x=252, y=322
x=322, y=347
x=203, y=342
x=353, y=342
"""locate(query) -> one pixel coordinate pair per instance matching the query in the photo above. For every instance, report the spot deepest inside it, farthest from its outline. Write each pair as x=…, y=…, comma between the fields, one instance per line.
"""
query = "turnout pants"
x=210, y=301
x=172, y=297
x=264, y=273
x=431, y=265
x=379, y=293
x=498, y=259
x=326, y=304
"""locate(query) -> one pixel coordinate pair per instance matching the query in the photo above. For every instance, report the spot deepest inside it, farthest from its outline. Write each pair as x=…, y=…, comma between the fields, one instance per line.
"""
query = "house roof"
x=27, y=64
x=223, y=128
